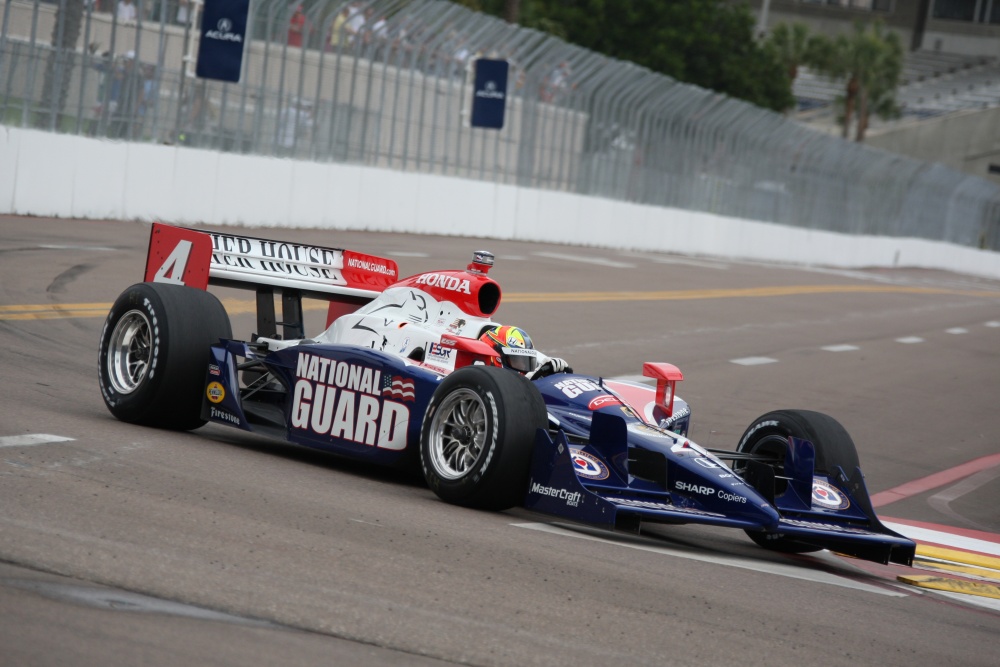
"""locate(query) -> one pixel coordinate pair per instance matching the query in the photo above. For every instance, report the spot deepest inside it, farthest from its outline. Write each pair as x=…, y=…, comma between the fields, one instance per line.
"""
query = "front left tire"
x=154, y=354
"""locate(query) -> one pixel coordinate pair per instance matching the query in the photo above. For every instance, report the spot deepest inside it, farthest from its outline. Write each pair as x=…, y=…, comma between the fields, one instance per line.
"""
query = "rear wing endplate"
x=196, y=258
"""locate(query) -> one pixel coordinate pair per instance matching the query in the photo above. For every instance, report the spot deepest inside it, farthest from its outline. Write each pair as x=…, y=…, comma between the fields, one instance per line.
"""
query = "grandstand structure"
x=949, y=95
x=932, y=84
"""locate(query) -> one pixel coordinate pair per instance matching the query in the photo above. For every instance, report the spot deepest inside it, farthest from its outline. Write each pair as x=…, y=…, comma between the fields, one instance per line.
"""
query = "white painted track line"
x=943, y=538
x=910, y=340
x=601, y=261
x=766, y=566
x=753, y=361
x=841, y=348
x=30, y=439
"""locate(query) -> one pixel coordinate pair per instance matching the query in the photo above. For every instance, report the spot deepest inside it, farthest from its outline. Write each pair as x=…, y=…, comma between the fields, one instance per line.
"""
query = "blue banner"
x=489, y=96
x=223, y=34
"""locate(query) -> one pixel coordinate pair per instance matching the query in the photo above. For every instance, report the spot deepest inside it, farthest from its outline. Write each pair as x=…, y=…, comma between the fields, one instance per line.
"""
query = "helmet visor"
x=520, y=359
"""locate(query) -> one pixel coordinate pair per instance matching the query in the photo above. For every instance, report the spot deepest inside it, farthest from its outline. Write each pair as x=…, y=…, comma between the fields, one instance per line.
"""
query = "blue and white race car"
x=401, y=377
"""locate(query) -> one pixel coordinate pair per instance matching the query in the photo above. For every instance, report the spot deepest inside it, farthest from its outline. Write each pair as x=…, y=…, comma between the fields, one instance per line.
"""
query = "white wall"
x=56, y=175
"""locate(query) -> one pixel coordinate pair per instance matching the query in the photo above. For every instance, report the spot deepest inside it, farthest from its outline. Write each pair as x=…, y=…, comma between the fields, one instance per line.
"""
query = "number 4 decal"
x=178, y=256
x=172, y=270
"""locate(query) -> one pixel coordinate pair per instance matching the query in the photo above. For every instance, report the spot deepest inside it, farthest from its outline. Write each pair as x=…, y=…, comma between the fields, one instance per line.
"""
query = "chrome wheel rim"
x=457, y=433
x=129, y=351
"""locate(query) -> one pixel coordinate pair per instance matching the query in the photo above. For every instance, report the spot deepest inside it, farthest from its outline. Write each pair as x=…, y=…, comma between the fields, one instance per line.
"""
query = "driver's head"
x=514, y=347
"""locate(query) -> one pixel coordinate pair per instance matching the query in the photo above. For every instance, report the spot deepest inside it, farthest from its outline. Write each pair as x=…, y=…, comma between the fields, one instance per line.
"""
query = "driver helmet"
x=514, y=347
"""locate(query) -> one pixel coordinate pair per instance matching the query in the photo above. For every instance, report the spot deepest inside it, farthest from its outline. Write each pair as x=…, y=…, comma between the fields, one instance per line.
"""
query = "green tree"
x=879, y=81
x=708, y=43
x=789, y=44
x=870, y=61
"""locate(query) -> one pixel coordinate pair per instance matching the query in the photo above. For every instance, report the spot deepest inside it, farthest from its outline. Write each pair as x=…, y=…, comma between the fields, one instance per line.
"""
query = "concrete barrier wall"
x=48, y=174
x=967, y=140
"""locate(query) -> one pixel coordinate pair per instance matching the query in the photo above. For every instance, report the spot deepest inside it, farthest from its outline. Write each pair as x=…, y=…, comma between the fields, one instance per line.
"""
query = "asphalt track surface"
x=122, y=545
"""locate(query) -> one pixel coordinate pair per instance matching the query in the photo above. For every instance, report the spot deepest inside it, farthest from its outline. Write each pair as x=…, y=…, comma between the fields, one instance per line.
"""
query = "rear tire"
x=478, y=436
x=768, y=436
x=154, y=354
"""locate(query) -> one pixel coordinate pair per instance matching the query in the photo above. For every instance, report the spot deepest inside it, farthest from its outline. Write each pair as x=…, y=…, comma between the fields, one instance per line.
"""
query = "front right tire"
x=767, y=437
x=478, y=436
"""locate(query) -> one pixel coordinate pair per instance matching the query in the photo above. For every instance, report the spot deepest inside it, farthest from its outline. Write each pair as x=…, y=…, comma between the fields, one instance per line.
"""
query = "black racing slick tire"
x=154, y=354
x=478, y=435
x=767, y=437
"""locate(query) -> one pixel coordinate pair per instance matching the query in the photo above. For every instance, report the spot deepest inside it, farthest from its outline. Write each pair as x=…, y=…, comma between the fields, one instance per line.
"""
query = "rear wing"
x=196, y=258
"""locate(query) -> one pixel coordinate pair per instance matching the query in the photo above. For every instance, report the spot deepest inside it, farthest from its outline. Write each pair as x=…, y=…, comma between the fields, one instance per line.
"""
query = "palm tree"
x=790, y=44
x=883, y=52
x=871, y=61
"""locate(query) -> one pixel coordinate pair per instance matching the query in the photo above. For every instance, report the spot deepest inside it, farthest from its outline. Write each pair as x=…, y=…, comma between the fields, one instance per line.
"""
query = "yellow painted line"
x=978, y=572
x=238, y=306
x=952, y=585
x=960, y=557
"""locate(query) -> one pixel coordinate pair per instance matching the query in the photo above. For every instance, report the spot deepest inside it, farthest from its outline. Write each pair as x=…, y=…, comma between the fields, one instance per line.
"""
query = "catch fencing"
x=388, y=83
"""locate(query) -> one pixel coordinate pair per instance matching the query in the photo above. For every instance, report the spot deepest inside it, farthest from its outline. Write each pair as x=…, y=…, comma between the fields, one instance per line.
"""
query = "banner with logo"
x=223, y=33
x=489, y=94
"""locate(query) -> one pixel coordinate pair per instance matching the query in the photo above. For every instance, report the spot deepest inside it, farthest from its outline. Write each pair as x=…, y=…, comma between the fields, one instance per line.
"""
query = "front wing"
x=555, y=489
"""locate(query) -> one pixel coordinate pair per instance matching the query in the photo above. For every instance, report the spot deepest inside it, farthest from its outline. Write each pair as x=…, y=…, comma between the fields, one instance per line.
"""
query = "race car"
x=402, y=376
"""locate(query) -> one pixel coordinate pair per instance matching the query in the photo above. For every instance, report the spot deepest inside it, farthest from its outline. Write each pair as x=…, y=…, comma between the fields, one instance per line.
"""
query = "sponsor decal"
x=680, y=414
x=281, y=259
x=642, y=504
x=224, y=415
x=519, y=352
x=224, y=32
x=370, y=265
x=398, y=387
x=576, y=386
x=731, y=497
x=215, y=392
x=572, y=498
x=707, y=463
x=648, y=504
x=829, y=497
x=826, y=526
x=214, y=370
x=646, y=429
x=456, y=326
x=491, y=92
x=443, y=281
x=602, y=401
x=588, y=466
x=699, y=489
x=438, y=352
x=351, y=402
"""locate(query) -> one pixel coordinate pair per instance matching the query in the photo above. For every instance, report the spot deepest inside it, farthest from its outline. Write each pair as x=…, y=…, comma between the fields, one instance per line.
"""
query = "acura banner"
x=223, y=34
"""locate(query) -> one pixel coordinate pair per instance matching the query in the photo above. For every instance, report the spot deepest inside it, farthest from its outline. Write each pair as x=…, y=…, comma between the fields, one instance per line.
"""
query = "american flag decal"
x=398, y=387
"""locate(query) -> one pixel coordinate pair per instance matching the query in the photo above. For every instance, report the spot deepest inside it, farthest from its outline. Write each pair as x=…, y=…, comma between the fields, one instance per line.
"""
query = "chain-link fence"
x=388, y=83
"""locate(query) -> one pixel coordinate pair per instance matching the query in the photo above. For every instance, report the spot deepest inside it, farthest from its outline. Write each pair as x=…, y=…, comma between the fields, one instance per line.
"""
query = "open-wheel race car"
x=403, y=376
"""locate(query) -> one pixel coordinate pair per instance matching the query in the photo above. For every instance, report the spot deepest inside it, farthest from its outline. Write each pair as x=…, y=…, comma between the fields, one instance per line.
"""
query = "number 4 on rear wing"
x=198, y=259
